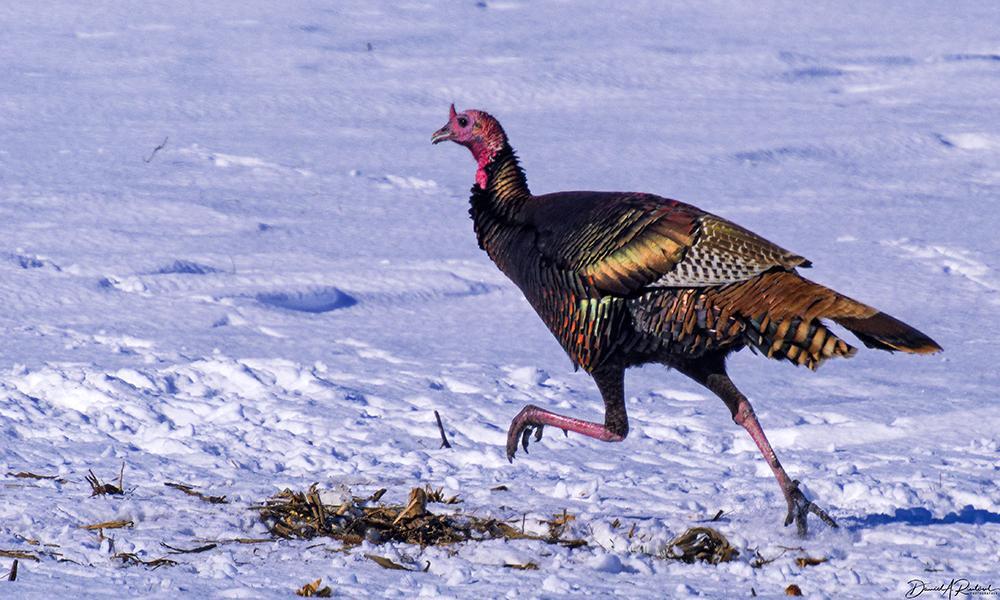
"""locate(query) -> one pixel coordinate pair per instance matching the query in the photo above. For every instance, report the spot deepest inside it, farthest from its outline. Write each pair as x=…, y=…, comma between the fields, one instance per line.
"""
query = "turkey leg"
x=531, y=419
x=711, y=373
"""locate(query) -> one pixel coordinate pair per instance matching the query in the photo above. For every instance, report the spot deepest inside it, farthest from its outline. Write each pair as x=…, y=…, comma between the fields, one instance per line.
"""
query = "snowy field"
x=286, y=291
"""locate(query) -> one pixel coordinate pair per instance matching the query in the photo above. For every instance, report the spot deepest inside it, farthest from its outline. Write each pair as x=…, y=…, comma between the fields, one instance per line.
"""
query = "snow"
x=286, y=291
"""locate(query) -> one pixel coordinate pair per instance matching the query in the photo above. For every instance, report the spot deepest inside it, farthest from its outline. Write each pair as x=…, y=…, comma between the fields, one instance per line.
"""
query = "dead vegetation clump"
x=42, y=551
x=303, y=515
x=98, y=488
x=313, y=590
x=700, y=544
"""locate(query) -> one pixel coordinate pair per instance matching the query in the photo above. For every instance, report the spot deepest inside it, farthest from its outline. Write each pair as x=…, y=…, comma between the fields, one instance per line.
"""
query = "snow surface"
x=286, y=291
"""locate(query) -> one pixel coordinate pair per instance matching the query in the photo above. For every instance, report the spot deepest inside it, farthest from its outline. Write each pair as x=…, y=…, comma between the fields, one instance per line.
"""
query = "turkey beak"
x=441, y=134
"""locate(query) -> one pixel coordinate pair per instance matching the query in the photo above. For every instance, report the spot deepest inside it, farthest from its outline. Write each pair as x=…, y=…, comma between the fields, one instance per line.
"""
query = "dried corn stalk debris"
x=304, y=515
x=701, y=544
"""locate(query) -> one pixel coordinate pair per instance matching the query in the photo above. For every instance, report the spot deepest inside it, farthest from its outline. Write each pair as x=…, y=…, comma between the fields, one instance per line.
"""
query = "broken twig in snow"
x=131, y=559
x=444, y=438
x=190, y=491
x=28, y=475
x=162, y=145
x=199, y=549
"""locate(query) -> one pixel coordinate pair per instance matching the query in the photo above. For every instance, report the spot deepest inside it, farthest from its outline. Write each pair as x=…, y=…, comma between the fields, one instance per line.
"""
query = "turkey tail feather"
x=783, y=315
x=886, y=332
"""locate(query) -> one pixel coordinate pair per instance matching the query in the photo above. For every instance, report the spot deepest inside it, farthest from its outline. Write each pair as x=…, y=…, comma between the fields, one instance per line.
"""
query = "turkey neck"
x=498, y=211
x=505, y=192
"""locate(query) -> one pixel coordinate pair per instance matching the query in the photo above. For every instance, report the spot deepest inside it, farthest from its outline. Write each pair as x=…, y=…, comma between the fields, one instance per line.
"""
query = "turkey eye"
x=462, y=121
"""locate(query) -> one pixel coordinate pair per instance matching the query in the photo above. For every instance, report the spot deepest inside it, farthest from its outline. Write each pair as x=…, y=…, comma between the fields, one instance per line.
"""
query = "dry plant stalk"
x=758, y=559
x=190, y=491
x=19, y=554
x=386, y=563
x=529, y=566
x=196, y=550
x=802, y=561
x=130, y=559
x=29, y=475
x=223, y=542
x=119, y=524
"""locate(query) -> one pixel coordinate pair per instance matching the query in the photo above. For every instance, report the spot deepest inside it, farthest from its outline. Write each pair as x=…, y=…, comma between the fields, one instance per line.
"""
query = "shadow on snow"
x=919, y=516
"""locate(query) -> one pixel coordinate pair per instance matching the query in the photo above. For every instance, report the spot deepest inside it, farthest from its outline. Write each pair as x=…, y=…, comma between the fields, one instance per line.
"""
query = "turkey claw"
x=537, y=429
x=799, y=508
x=521, y=428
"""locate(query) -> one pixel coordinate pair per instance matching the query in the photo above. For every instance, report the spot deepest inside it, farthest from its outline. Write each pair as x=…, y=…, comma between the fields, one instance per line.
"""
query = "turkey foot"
x=799, y=508
x=531, y=419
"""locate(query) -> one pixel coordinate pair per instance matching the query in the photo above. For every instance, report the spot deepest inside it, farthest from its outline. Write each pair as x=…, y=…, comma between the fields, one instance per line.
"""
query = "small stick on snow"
x=13, y=572
x=162, y=145
x=444, y=438
x=175, y=550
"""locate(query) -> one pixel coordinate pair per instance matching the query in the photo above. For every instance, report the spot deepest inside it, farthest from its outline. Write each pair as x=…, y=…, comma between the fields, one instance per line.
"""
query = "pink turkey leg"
x=533, y=417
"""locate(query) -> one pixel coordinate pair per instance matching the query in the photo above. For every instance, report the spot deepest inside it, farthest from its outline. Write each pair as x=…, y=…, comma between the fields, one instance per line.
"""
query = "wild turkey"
x=625, y=279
